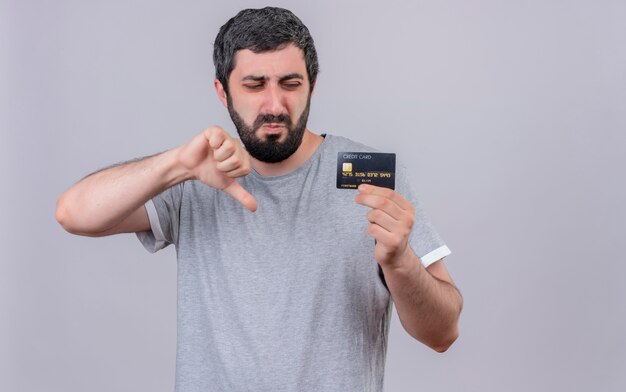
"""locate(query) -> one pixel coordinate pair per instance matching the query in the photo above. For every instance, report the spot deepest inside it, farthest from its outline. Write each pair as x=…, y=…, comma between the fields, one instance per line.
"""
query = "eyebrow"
x=291, y=76
x=254, y=78
x=257, y=78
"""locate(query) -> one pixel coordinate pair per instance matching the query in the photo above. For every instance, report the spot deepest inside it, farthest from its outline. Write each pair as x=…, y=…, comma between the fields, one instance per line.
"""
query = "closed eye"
x=291, y=85
x=254, y=86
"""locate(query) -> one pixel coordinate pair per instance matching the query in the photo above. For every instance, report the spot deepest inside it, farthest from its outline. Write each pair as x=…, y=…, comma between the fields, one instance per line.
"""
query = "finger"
x=385, y=221
x=380, y=234
x=383, y=236
x=386, y=193
x=241, y=195
x=381, y=203
x=400, y=230
x=225, y=150
x=215, y=136
x=240, y=172
x=234, y=163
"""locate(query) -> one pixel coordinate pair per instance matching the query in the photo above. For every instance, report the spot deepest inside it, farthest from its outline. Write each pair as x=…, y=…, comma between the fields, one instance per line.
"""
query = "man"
x=284, y=281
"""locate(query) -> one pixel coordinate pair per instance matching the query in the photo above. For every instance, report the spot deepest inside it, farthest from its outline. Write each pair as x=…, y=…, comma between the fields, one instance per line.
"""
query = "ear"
x=221, y=93
x=313, y=87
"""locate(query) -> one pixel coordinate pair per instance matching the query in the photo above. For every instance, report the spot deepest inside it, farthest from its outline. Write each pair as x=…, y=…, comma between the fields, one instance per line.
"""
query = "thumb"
x=241, y=195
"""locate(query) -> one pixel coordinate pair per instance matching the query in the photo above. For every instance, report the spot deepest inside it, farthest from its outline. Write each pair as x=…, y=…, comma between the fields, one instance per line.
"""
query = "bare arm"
x=111, y=201
x=426, y=299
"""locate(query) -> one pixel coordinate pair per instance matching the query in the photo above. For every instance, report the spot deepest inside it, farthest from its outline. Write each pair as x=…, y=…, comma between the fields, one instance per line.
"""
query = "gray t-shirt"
x=288, y=298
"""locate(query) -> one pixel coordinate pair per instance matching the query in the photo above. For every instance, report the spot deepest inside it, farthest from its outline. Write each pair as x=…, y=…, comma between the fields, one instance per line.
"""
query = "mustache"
x=267, y=118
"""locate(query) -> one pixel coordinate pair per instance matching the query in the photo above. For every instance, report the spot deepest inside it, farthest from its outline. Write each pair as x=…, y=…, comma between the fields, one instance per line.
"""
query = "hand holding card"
x=391, y=220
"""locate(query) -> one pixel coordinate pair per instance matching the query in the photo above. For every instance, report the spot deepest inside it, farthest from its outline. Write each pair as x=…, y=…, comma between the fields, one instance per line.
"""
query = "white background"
x=511, y=116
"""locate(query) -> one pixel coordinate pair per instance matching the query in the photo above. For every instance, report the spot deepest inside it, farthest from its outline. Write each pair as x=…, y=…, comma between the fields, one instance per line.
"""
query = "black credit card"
x=374, y=168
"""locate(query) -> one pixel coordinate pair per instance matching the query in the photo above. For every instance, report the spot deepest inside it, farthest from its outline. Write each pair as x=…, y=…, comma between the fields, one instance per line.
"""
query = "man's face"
x=269, y=101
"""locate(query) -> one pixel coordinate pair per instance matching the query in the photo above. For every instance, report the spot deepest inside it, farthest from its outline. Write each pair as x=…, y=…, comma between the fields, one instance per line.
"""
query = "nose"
x=274, y=100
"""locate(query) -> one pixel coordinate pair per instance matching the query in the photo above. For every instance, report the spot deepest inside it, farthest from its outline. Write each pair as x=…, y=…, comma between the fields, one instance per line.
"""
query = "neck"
x=310, y=143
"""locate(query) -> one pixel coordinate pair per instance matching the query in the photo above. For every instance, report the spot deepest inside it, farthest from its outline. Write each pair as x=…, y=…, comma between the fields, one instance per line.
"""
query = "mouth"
x=273, y=127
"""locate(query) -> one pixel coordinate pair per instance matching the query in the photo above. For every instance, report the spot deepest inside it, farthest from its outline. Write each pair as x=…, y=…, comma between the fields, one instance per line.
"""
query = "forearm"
x=428, y=308
x=102, y=200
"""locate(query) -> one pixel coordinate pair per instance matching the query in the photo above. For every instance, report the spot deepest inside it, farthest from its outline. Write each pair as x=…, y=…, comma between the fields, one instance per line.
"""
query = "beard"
x=270, y=150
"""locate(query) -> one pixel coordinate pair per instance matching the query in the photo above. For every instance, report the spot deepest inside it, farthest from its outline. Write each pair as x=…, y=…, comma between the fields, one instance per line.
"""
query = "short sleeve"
x=424, y=239
x=164, y=215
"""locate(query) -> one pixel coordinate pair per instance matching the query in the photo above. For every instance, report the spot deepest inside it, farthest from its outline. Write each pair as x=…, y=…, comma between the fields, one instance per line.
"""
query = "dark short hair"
x=262, y=30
